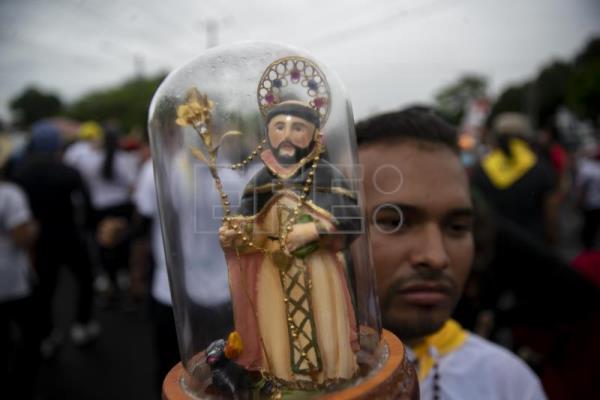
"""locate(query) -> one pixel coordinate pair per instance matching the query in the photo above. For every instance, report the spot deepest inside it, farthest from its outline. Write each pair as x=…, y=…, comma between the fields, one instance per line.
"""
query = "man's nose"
x=430, y=249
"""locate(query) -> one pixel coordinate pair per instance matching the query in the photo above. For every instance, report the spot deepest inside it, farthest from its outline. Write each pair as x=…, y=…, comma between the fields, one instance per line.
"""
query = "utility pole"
x=138, y=65
x=211, y=27
x=212, y=32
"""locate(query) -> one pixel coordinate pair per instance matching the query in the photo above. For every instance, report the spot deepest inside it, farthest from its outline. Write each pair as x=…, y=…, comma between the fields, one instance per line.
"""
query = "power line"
x=345, y=33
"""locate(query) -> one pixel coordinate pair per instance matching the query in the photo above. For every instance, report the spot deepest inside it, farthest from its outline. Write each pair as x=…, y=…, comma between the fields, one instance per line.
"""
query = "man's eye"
x=388, y=218
x=460, y=228
x=389, y=225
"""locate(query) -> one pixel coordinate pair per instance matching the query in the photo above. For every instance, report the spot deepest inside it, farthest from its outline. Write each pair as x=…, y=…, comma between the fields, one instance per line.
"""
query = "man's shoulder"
x=491, y=372
x=487, y=352
x=497, y=366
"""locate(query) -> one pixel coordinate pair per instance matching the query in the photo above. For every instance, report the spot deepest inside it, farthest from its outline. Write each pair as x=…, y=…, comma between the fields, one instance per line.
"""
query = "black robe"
x=329, y=190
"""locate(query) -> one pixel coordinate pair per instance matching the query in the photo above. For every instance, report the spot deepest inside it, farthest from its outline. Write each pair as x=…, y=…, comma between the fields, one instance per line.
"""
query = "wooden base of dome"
x=396, y=379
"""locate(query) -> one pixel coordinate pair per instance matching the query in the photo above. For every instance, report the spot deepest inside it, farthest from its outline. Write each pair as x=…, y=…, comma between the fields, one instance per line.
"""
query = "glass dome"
x=260, y=204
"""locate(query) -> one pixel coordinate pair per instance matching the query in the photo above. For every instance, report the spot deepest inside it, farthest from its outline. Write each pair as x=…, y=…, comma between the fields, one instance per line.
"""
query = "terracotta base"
x=395, y=380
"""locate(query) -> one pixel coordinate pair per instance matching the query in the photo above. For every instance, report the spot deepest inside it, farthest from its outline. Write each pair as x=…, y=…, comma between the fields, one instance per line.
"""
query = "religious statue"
x=285, y=248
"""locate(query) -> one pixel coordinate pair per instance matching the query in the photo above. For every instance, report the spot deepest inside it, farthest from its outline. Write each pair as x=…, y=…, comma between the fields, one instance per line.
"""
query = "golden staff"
x=196, y=111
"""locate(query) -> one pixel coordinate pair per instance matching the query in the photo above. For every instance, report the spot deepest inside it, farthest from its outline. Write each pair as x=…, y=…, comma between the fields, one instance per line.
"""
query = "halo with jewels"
x=282, y=74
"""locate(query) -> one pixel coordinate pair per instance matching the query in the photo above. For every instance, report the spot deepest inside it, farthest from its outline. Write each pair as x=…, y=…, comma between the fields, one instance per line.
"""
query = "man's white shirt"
x=481, y=370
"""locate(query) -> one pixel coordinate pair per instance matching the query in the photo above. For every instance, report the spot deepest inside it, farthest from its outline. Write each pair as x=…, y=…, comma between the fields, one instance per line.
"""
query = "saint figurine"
x=286, y=250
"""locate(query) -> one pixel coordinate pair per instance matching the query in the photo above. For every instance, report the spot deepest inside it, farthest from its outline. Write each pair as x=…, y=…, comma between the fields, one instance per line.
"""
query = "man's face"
x=420, y=213
x=290, y=136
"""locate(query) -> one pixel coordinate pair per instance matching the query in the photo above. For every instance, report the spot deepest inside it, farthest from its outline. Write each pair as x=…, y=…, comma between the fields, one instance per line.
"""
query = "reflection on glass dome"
x=253, y=148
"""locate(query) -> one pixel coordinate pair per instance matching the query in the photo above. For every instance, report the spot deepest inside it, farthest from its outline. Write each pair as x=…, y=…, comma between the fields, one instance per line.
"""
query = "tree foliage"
x=575, y=84
x=550, y=90
x=583, y=93
x=32, y=105
x=513, y=98
x=128, y=103
x=538, y=98
x=452, y=99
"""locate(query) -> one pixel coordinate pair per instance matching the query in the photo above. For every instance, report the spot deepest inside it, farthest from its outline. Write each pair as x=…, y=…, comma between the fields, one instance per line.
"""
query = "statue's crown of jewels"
x=294, y=78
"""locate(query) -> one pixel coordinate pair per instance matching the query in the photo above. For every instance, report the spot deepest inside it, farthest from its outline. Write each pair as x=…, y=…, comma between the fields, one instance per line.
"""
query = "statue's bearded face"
x=290, y=137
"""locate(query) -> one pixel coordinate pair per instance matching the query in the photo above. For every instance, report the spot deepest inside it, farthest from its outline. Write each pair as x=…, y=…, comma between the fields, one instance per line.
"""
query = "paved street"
x=119, y=365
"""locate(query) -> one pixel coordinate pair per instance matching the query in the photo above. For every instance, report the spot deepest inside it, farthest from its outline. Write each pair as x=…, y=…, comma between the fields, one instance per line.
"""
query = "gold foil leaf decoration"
x=195, y=111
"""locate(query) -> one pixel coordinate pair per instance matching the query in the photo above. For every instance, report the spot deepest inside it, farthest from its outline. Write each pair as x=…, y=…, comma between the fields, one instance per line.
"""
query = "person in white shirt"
x=20, y=361
x=421, y=217
x=145, y=223
x=59, y=202
x=110, y=174
x=165, y=337
x=588, y=188
x=207, y=283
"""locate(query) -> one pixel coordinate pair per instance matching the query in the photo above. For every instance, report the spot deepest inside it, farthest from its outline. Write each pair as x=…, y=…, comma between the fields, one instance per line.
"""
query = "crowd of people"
x=58, y=198
x=517, y=319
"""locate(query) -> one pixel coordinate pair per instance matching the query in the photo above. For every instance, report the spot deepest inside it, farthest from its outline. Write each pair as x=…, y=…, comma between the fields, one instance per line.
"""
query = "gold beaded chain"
x=288, y=226
x=252, y=155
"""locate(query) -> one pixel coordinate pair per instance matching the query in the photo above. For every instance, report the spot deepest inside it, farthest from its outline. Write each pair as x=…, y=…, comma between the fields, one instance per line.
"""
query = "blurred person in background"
x=206, y=281
x=110, y=173
x=519, y=184
x=18, y=231
x=587, y=198
x=421, y=219
x=90, y=132
x=556, y=155
x=57, y=195
x=145, y=223
x=140, y=259
x=587, y=187
x=525, y=297
x=165, y=335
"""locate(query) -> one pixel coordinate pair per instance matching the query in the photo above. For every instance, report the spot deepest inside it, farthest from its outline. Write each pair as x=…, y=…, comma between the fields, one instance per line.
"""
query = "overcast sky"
x=388, y=53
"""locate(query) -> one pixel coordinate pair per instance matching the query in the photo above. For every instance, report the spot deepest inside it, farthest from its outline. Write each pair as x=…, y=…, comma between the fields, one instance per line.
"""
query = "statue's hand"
x=227, y=236
x=300, y=235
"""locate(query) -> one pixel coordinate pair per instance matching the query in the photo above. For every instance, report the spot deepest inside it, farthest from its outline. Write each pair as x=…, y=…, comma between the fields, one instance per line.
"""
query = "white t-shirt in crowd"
x=144, y=198
x=88, y=160
x=479, y=370
x=75, y=151
x=14, y=263
x=206, y=277
x=588, y=177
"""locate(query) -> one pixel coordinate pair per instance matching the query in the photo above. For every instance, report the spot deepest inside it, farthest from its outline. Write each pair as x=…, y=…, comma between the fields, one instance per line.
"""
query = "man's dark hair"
x=414, y=123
